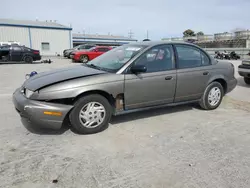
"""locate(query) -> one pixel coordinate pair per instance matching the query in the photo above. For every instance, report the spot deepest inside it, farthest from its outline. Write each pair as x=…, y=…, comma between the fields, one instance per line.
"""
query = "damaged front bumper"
x=40, y=114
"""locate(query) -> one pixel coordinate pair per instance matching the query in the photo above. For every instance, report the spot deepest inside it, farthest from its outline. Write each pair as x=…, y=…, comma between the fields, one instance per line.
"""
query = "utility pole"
x=130, y=34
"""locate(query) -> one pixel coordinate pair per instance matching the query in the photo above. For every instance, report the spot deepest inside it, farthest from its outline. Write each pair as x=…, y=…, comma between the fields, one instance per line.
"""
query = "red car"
x=86, y=55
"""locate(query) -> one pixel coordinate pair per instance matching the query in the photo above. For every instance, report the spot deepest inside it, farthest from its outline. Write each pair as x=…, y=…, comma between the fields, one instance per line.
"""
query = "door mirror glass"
x=138, y=69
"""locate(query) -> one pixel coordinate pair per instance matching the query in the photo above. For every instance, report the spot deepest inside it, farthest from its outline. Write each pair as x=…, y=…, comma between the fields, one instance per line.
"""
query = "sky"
x=161, y=18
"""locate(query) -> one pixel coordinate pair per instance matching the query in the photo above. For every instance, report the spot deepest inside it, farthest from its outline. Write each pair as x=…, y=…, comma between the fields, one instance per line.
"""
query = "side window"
x=5, y=48
x=103, y=49
x=188, y=56
x=83, y=47
x=157, y=59
x=17, y=48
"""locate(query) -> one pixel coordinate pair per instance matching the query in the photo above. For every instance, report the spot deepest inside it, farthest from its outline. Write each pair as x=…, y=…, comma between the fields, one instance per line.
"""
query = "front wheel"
x=84, y=59
x=91, y=114
x=212, y=96
x=247, y=80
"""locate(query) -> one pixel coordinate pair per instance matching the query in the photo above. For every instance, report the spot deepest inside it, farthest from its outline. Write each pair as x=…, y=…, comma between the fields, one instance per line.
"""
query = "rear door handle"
x=169, y=78
x=206, y=73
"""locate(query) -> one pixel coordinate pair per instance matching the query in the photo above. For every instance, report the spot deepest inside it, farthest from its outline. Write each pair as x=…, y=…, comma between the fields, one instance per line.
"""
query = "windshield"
x=90, y=49
x=114, y=59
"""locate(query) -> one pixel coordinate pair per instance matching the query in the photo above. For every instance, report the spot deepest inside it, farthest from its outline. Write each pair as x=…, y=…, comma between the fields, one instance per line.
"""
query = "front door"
x=16, y=53
x=193, y=73
x=155, y=86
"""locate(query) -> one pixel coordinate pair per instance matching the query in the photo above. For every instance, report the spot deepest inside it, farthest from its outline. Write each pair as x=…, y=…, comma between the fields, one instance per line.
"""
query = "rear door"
x=193, y=72
x=16, y=53
x=157, y=85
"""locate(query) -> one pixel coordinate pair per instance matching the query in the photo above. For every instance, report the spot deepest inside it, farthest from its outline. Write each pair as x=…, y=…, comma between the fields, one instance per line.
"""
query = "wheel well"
x=108, y=96
x=26, y=55
x=223, y=83
x=84, y=55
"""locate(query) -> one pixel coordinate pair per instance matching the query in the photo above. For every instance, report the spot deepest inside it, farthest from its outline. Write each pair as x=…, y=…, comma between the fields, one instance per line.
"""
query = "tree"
x=200, y=33
x=188, y=33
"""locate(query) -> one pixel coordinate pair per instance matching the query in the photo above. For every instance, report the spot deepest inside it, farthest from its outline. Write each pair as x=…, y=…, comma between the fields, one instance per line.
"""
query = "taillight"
x=36, y=52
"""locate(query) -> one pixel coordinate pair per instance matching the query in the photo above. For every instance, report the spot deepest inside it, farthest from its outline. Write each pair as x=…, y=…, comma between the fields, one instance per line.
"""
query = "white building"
x=49, y=37
x=101, y=39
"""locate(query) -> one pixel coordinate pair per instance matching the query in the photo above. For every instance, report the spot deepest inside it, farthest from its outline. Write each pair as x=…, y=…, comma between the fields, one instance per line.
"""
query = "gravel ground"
x=182, y=147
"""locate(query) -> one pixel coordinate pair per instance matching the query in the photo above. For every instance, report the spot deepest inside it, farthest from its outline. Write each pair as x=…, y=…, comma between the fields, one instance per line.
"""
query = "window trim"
x=42, y=46
x=192, y=46
x=127, y=70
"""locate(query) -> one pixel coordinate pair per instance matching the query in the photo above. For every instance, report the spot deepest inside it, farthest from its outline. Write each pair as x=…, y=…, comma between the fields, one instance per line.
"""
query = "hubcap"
x=84, y=59
x=214, y=96
x=92, y=114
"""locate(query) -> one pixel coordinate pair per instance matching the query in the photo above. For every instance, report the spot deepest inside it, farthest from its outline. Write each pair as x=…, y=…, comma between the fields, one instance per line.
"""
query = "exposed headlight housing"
x=28, y=93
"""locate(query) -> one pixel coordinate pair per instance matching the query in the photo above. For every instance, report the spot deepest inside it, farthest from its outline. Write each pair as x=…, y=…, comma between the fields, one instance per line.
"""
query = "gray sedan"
x=126, y=79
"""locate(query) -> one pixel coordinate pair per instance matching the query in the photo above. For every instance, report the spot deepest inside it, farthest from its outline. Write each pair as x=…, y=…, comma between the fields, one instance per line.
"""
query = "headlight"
x=28, y=93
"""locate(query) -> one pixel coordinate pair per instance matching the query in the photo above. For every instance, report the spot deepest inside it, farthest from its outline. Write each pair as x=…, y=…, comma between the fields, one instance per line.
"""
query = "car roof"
x=103, y=47
x=154, y=43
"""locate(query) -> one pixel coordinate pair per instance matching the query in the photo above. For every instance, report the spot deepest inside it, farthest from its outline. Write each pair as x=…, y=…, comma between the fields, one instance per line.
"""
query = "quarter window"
x=157, y=59
x=190, y=57
x=205, y=60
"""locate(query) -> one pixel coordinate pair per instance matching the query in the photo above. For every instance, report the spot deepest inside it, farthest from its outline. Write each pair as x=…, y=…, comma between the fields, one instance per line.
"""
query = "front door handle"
x=206, y=73
x=169, y=78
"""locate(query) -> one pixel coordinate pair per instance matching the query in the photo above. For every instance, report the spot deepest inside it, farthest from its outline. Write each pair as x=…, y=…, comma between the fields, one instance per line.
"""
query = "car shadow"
x=152, y=113
x=242, y=83
x=115, y=119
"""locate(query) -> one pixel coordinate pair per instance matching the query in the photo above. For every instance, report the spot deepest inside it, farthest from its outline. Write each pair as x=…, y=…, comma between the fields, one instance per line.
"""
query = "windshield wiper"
x=93, y=66
x=98, y=68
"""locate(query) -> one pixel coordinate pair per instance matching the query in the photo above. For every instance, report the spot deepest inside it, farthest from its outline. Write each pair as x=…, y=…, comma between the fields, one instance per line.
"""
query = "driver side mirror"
x=138, y=69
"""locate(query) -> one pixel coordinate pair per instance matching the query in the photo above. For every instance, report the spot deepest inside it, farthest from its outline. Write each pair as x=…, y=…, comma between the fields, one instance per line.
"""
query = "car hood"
x=52, y=77
x=69, y=50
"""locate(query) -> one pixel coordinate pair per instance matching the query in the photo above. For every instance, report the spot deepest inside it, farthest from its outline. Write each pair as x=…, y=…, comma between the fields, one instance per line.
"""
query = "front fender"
x=67, y=90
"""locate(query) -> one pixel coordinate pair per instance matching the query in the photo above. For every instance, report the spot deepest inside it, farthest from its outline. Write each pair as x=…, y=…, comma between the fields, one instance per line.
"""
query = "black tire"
x=204, y=102
x=74, y=114
x=28, y=59
x=247, y=80
x=84, y=59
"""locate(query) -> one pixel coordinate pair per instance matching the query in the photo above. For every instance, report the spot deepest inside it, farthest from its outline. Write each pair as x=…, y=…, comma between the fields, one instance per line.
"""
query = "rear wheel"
x=212, y=96
x=91, y=114
x=247, y=80
x=28, y=59
x=84, y=59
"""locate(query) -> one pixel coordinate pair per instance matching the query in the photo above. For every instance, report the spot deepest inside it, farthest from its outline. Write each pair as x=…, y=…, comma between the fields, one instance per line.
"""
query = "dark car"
x=18, y=53
x=244, y=70
x=68, y=52
x=129, y=78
